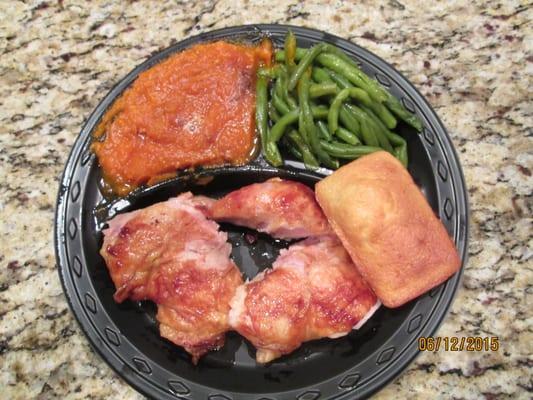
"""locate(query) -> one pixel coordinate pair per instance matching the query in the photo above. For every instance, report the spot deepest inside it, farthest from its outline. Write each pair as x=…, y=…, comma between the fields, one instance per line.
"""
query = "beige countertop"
x=472, y=60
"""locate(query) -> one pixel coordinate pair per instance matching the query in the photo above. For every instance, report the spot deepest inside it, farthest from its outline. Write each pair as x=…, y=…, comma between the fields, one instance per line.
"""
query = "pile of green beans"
x=322, y=108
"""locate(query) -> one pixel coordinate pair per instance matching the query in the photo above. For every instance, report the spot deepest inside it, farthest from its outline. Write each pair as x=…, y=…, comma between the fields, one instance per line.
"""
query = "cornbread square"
x=390, y=231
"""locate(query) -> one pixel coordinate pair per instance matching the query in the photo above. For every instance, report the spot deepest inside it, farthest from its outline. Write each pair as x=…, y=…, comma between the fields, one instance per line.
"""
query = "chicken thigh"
x=171, y=254
x=312, y=291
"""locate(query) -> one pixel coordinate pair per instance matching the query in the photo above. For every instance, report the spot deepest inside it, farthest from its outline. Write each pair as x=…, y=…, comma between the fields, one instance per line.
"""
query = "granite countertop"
x=473, y=62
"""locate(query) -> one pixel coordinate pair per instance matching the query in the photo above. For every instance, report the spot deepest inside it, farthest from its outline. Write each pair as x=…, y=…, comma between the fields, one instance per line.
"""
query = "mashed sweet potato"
x=195, y=108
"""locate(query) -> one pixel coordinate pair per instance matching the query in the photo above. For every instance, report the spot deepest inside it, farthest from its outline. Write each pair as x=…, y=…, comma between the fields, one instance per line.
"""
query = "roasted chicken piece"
x=284, y=209
x=171, y=254
x=312, y=291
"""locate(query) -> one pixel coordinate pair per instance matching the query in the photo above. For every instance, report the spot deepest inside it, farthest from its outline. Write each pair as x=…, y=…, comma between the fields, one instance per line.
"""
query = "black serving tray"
x=126, y=335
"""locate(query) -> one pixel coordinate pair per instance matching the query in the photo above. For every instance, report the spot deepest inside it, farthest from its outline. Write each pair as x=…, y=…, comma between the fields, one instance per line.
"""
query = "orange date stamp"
x=455, y=343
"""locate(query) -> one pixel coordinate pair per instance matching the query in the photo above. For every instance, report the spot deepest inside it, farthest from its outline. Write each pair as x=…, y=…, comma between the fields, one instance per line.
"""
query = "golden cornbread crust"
x=385, y=223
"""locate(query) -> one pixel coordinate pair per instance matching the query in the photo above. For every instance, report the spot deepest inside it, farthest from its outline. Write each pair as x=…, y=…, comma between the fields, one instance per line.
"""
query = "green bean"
x=292, y=148
x=379, y=123
x=372, y=83
x=273, y=113
x=280, y=54
x=339, y=53
x=341, y=150
x=309, y=124
x=333, y=115
x=291, y=117
x=359, y=95
x=347, y=136
x=278, y=85
x=270, y=150
x=401, y=154
x=367, y=133
x=302, y=129
x=343, y=83
x=334, y=63
x=273, y=155
x=370, y=120
x=283, y=77
x=307, y=156
x=380, y=130
x=340, y=80
x=281, y=99
x=322, y=89
x=384, y=115
x=396, y=107
x=400, y=150
x=395, y=139
x=357, y=70
x=268, y=72
x=323, y=130
x=304, y=63
x=279, y=127
x=349, y=121
x=375, y=90
x=290, y=50
x=294, y=151
x=382, y=138
x=334, y=56
x=334, y=109
x=380, y=110
x=369, y=137
x=288, y=98
x=279, y=104
x=320, y=75
x=371, y=123
x=319, y=112
x=355, y=120
x=300, y=52
x=354, y=75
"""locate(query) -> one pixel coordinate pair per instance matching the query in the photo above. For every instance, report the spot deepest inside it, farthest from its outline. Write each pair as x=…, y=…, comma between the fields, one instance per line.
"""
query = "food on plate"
x=393, y=236
x=201, y=107
x=282, y=208
x=313, y=291
x=323, y=108
x=195, y=108
x=171, y=254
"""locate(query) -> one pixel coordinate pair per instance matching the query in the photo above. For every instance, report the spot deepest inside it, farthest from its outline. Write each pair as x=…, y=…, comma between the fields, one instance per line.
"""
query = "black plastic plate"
x=126, y=335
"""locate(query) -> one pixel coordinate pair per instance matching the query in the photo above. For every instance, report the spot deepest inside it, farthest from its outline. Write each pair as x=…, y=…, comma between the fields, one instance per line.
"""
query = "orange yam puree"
x=195, y=108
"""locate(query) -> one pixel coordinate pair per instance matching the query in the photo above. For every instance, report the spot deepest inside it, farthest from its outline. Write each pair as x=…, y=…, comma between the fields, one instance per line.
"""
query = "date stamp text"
x=455, y=343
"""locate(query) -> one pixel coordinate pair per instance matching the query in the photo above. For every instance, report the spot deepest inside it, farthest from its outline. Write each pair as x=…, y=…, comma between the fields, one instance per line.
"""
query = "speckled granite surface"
x=473, y=62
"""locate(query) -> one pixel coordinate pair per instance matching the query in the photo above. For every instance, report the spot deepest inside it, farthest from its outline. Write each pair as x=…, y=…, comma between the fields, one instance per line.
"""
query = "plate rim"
x=460, y=193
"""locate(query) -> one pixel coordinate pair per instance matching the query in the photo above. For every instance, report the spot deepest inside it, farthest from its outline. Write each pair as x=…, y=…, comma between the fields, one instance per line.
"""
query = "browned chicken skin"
x=312, y=291
x=284, y=209
x=171, y=254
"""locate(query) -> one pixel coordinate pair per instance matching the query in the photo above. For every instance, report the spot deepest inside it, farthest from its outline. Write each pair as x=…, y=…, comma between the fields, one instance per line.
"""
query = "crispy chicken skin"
x=193, y=303
x=171, y=254
x=312, y=291
x=284, y=209
x=397, y=243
